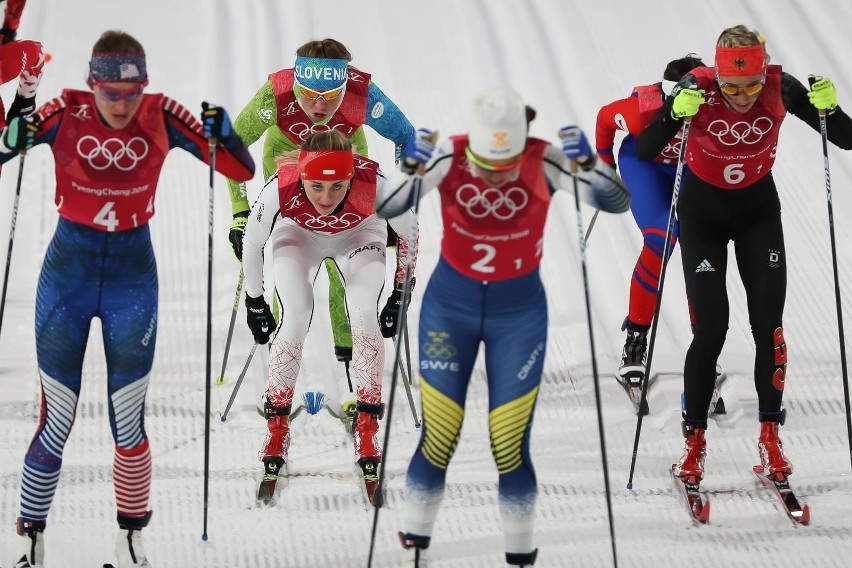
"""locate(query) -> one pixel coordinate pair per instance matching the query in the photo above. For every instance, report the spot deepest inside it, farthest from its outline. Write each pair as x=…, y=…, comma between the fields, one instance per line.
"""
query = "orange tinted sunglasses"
x=749, y=90
x=325, y=95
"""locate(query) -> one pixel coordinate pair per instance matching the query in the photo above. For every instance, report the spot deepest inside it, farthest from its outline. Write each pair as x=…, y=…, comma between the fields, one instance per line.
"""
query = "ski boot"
x=521, y=559
x=128, y=542
x=274, y=451
x=367, y=447
x=415, y=547
x=631, y=370
x=690, y=468
x=775, y=465
x=32, y=543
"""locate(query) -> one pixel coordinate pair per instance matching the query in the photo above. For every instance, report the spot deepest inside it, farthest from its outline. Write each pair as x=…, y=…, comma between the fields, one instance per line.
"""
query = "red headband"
x=326, y=164
x=740, y=61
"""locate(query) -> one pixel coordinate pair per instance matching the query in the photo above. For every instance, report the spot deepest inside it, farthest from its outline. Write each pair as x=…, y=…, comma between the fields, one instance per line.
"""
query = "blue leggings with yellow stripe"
x=457, y=315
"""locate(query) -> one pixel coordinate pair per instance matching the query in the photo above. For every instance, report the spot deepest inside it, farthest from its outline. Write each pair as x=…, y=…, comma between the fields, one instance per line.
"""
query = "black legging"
x=710, y=217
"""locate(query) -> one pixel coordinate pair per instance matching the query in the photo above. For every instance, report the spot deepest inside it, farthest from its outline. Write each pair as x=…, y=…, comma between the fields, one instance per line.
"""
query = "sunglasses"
x=488, y=167
x=325, y=95
x=116, y=95
x=749, y=90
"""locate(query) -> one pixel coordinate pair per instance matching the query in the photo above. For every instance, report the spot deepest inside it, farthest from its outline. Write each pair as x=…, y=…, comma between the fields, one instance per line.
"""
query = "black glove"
x=7, y=35
x=259, y=318
x=20, y=133
x=216, y=122
x=21, y=106
x=390, y=316
x=235, y=235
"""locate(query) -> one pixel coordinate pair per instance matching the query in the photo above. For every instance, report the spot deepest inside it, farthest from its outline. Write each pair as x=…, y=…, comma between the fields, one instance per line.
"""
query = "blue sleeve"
x=384, y=117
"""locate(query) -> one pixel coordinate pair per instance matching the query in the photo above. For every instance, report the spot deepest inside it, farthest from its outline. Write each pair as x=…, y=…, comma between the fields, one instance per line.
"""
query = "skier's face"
x=741, y=92
x=118, y=101
x=495, y=172
x=321, y=105
x=325, y=195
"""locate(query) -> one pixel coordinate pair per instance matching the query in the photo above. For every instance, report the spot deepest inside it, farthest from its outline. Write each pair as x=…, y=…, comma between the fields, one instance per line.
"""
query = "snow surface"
x=567, y=59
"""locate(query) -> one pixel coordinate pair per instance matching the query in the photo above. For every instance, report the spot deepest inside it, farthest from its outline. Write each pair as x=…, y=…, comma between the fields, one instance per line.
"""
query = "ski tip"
x=806, y=516
x=758, y=469
x=220, y=380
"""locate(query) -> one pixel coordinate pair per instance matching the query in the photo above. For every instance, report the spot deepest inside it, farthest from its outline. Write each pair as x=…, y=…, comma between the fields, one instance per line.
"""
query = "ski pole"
x=408, y=357
x=12, y=236
x=221, y=378
x=823, y=129
x=417, y=169
x=406, y=380
x=224, y=415
x=582, y=244
x=591, y=226
x=208, y=371
x=667, y=248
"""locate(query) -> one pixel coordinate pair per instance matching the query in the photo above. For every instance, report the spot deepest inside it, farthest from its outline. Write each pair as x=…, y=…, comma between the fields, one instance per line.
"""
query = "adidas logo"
x=705, y=266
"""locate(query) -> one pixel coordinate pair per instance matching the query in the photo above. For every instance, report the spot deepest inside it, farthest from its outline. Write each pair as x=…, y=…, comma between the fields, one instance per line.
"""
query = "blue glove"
x=259, y=318
x=575, y=145
x=419, y=148
x=217, y=123
x=20, y=133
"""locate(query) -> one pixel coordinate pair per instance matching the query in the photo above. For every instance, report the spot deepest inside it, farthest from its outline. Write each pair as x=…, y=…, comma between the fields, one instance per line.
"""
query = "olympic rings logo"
x=302, y=130
x=440, y=351
x=740, y=132
x=112, y=152
x=343, y=222
x=672, y=149
x=502, y=205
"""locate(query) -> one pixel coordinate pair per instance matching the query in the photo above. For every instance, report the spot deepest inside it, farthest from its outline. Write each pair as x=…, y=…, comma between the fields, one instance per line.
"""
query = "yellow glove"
x=686, y=103
x=822, y=95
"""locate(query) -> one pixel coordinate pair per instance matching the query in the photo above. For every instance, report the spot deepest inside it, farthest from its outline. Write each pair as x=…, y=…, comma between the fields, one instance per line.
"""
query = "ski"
x=697, y=504
x=274, y=468
x=368, y=471
x=632, y=385
x=798, y=513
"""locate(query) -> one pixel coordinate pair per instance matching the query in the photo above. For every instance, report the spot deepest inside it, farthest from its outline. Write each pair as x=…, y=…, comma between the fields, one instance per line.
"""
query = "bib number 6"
x=734, y=174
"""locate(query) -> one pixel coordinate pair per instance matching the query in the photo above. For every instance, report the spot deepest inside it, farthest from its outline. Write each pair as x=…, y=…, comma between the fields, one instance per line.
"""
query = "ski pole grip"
x=811, y=80
x=410, y=166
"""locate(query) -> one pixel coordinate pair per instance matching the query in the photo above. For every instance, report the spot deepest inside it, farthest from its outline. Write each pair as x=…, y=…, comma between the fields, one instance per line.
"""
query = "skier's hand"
x=259, y=318
x=420, y=147
x=21, y=106
x=575, y=145
x=687, y=102
x=7, y=35
x=19, y=135
x=822, y=95
x=390, y=316
x=235, y=235
x=217, y=123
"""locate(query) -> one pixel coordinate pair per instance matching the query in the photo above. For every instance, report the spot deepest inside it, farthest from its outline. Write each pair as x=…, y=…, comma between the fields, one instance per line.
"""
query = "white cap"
x=498, y=124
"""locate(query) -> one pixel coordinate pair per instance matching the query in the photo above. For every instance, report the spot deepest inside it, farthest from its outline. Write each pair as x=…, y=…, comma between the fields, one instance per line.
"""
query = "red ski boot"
x=690, y=468
x=775, y=465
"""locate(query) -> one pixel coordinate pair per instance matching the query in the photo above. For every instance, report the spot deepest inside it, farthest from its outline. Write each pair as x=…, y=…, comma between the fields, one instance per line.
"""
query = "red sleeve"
x=622, y=114
x=19, y=56
x=185, y=131
x=14, y=9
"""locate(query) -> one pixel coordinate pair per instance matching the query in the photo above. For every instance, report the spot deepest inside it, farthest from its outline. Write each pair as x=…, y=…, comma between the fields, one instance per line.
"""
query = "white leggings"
x=297, y=256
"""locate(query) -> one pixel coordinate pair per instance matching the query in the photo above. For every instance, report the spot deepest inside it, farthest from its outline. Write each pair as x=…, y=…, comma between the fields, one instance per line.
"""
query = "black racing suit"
x=709, y=218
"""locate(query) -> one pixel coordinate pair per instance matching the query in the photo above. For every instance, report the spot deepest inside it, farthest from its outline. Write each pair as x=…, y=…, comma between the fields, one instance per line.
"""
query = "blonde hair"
x=741, y=36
